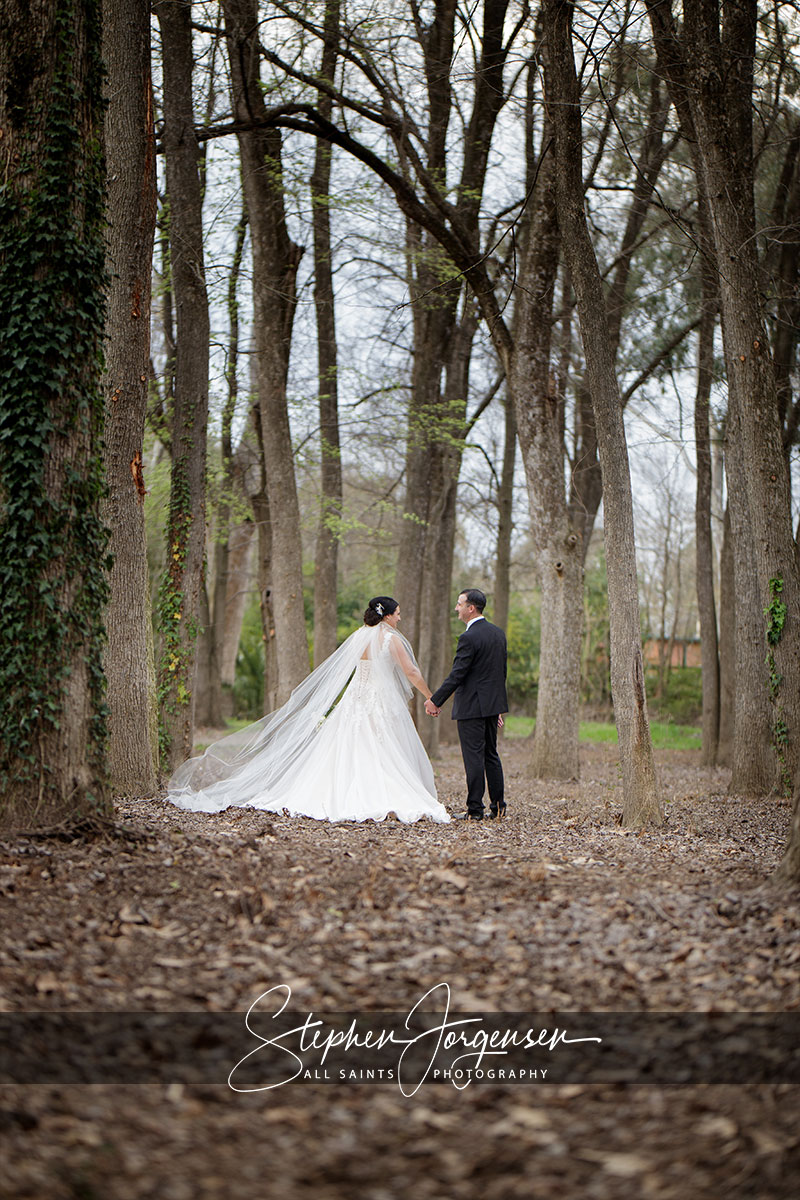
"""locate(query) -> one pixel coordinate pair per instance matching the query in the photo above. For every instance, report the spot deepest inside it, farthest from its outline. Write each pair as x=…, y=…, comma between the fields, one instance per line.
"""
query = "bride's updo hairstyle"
x=378, y=608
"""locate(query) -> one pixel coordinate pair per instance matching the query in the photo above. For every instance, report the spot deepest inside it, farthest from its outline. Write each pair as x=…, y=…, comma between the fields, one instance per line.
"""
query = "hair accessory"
x=379, y=609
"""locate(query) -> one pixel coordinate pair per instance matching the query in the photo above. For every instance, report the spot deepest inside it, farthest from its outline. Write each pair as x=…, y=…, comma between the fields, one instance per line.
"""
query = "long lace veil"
x=242, y=764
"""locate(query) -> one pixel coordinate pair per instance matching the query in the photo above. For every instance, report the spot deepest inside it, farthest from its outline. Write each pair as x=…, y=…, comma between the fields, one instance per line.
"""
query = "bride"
x=342, y=748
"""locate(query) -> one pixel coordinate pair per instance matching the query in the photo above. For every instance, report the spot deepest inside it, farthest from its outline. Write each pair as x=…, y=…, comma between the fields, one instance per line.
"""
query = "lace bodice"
x=374, y=694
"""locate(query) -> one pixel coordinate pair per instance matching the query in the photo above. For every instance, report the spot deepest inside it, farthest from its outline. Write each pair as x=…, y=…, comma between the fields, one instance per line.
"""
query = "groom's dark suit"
x=478, y=679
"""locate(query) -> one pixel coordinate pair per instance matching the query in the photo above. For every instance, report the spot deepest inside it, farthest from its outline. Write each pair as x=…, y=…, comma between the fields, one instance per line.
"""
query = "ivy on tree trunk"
x=53, y=545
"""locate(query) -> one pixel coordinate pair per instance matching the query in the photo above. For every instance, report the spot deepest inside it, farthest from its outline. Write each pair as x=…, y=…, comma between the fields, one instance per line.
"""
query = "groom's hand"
x=431, y=709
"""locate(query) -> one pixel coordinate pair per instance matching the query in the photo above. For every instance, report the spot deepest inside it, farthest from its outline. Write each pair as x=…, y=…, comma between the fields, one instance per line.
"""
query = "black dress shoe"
x=498, y=810
x=467, y=816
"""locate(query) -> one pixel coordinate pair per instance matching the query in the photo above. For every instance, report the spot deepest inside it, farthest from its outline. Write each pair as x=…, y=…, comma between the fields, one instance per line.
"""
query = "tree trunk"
x=782, y=264
x=240, y=569
x=586, y=483
x=586, y=478
x=704, y=544
x=131, y=174
x=720, y=65
x=710, y=71
x=437, y=417
x=208, y=698
x=434, y=319
x=179, y=595
x=434, y=643
x=435, y=303
x=663, y=596
x=210, y=706
x=740, y=690
x=263, y=525
x=754, y=394
x=640, y=790
x=263, y=518
x=331, y=499
x=753, y=755
x=766, y=493
x=727, y=645
x=539, y=412
x=53, y=544
x=505, y=502
x=222, y=558
x=162, y=402
x=789, y=866
x=275, y=261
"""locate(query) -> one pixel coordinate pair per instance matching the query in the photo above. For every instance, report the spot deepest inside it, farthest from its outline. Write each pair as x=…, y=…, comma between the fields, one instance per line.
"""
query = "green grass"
x=666, y=735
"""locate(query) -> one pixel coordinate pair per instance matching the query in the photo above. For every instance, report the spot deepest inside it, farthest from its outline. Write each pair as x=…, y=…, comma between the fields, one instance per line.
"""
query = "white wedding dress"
x=342, y=748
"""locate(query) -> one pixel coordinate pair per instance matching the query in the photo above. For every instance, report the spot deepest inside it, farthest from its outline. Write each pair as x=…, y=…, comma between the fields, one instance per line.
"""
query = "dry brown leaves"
x=555, y=908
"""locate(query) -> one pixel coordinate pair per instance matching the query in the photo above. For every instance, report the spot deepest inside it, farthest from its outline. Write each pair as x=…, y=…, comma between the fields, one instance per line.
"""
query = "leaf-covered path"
x=556, y=908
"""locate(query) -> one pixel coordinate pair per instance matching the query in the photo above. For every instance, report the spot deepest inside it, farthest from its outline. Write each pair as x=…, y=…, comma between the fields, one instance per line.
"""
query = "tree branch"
x=659, y=357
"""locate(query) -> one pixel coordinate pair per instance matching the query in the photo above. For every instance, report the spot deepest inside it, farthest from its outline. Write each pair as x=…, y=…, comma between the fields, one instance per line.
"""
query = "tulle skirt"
x=365, y=763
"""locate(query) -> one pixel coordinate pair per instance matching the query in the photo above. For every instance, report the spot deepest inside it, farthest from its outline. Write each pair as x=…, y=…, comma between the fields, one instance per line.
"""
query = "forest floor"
x=554, y=909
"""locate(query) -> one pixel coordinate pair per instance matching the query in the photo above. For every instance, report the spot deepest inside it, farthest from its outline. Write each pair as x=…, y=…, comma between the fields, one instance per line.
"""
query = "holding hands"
x=433, y=711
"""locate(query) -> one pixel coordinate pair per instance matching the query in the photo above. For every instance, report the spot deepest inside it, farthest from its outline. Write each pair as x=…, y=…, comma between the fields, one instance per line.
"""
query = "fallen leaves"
x=622, y=1165
x=452, y=877
x=554, y=908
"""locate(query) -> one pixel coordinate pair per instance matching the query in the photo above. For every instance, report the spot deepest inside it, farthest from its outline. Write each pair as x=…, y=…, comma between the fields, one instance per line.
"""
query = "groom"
x=478, y=679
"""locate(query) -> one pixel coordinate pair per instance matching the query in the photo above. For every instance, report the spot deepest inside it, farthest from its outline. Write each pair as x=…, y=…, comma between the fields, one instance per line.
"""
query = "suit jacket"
x=478, y=677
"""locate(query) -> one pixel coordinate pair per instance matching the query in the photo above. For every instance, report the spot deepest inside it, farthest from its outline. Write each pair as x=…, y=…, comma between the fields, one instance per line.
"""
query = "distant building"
x=686, y=651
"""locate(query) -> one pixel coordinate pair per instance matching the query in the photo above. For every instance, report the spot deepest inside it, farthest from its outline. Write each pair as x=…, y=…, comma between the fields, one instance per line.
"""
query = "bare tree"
x=540, y=422
x=327, y=548
x=265, y=566
x=711, y=61
x=131, y=172
x=727, y=644
x=704, y=543
x=586, y=487
x=210, y=701
x=642, y=805
x=505, y=503
x=444, y=326
x=275, y=261
x=179, y=596
x=750, y=751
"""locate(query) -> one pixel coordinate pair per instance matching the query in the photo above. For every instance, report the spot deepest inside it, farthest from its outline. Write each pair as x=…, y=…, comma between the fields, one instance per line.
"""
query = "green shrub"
x=682, y=701
x=523, y=635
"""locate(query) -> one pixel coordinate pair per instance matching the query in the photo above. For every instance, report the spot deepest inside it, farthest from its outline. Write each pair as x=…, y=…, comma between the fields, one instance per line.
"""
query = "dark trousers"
x=478, y=737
